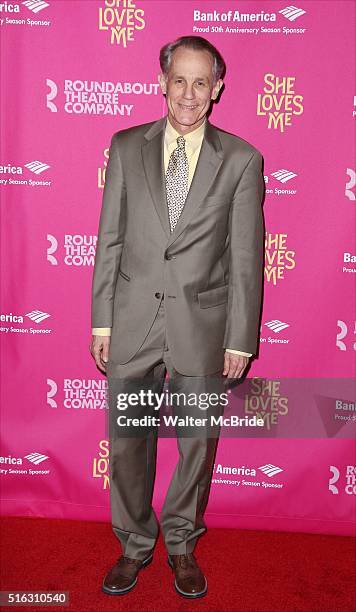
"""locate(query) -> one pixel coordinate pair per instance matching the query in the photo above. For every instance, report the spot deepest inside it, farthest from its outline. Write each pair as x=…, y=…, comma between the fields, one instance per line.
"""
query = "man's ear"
x=163, y=83
x=218, y=85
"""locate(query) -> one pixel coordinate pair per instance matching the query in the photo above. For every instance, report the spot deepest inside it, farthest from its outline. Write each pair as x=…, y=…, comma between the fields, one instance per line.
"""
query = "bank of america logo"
x=36, y=458
x=35, y=5
x=292, y=12
x=283, y=176
x=37, y=316
x=270, y=470
x=276, y=325
x=36, y=166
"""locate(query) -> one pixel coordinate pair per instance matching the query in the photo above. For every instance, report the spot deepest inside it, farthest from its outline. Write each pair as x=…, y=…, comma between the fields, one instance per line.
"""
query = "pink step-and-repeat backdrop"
x=73, y=73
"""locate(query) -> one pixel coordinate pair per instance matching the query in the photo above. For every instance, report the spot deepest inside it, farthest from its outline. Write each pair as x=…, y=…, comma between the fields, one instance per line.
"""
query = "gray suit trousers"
x=132, y=459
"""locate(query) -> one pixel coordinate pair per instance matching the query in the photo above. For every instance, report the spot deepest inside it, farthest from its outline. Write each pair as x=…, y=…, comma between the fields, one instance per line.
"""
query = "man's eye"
x=200, y=83
x=179, y=81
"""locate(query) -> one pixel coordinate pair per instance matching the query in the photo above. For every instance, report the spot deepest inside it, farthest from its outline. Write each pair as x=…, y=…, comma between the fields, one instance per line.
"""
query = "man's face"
x=189, y=87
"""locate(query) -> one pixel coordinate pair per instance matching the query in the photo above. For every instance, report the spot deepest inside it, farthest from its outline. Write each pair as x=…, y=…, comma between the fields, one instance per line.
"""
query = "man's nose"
x=189, y=92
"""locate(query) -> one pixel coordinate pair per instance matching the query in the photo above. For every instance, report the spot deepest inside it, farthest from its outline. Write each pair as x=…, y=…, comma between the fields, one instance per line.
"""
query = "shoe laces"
x=130, y=560
x=186, y=561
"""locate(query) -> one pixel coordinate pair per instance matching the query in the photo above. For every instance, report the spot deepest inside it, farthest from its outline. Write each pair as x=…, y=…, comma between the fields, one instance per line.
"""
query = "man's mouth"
x=186, y=107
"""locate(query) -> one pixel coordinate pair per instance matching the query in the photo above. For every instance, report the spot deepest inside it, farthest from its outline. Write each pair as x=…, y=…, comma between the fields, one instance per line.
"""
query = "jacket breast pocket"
x=124, y=275
x=213, y=297
x=217, y=200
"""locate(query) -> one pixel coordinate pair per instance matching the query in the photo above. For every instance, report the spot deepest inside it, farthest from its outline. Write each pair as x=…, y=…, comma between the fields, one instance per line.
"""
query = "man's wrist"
x=239, y=352
x=101, y=331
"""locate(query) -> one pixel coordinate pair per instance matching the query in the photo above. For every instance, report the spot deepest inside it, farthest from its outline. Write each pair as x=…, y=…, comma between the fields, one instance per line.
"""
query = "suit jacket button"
x=157, y=295
x=167, y=256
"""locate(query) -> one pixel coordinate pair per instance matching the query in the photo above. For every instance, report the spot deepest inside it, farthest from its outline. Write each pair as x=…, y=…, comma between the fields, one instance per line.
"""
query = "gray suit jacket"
x=210, y=268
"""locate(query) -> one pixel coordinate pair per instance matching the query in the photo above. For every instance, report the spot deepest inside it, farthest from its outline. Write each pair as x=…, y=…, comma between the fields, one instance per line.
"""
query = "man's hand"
x=234, y=364
x=99, y=349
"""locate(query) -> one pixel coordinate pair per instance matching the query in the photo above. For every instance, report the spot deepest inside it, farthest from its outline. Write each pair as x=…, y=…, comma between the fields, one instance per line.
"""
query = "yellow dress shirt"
x=193, y=142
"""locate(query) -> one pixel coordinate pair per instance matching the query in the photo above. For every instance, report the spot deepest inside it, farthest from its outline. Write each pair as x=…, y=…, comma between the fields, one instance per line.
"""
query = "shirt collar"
x=193, y=139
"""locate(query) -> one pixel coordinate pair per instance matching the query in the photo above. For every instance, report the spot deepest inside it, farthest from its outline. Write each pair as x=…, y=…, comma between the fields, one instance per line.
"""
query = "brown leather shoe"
x=123, y=576
x=189, y=579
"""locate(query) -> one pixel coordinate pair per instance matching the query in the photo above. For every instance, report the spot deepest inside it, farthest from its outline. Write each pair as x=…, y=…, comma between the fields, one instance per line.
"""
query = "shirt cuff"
x=101, y=331
x=238, y=352
x=106, y=331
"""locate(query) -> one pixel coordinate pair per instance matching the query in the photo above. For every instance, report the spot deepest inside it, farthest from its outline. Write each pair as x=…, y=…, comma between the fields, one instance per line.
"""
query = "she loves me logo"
x=279, y=257
x=121, y=18
x=279, y=101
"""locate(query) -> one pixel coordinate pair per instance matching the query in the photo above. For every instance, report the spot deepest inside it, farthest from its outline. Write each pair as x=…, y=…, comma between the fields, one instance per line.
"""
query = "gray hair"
x=197, y=43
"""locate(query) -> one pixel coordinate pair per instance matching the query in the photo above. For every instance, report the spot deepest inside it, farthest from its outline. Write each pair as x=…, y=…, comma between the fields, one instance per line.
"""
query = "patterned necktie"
x=177, y=182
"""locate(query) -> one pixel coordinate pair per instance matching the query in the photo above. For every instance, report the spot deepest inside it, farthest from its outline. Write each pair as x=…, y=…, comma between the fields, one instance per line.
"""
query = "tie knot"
x=181, y=142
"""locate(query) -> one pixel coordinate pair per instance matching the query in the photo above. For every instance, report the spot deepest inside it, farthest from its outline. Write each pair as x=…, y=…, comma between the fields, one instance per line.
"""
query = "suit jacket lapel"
x=209, y=162
x=152, y=157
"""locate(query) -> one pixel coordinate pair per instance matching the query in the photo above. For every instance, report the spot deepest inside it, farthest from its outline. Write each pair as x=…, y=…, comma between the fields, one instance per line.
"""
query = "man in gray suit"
x=177, y=287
